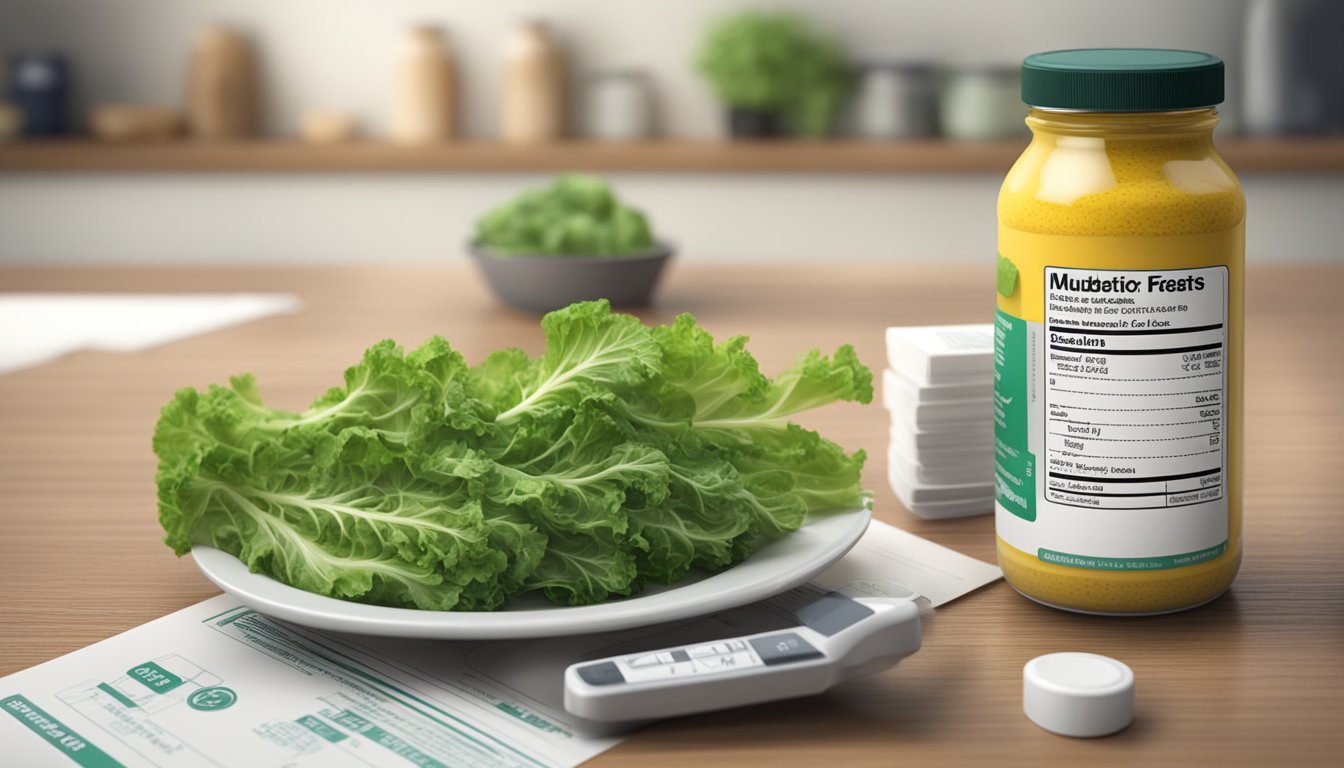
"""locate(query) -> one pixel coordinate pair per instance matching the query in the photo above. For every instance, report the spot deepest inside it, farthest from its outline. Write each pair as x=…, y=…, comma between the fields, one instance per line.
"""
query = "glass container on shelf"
x=895, y=101
x=618, y=106
x=982, y=103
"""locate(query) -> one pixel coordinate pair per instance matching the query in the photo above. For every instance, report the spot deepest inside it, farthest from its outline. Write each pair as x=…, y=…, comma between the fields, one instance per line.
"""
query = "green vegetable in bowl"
x=624, y=455
x=575, y=216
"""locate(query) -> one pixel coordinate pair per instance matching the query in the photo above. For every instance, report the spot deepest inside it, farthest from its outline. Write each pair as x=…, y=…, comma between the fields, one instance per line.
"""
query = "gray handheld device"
x=838, y=638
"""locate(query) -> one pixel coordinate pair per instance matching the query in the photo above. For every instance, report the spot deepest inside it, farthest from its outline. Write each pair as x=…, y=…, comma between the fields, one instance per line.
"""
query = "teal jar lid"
x=1122, y=80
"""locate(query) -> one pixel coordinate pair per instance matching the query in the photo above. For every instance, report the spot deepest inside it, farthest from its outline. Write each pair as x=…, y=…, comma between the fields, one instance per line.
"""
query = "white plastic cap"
x=1078, y=694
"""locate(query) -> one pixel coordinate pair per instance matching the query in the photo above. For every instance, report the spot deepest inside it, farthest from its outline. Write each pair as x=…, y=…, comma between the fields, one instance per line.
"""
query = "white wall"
x=427, y=218
x=335, y=54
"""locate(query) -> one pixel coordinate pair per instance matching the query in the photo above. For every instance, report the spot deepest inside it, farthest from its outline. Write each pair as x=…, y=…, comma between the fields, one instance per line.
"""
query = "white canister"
x=895, y=101
x=983, y=103
x=618, y=106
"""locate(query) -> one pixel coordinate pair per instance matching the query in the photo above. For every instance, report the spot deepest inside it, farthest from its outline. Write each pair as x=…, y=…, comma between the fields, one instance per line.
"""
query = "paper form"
x=38, y=327
x=217, y=684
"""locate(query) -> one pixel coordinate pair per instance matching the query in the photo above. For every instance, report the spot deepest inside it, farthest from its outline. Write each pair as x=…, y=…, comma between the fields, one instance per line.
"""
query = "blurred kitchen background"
x=292, y=103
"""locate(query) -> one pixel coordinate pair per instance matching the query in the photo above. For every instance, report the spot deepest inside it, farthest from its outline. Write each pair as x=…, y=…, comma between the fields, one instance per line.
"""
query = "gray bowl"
x=544, y=283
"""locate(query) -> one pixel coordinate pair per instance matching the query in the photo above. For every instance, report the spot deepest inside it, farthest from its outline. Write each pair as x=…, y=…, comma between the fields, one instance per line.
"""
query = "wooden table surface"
x=1255, y=678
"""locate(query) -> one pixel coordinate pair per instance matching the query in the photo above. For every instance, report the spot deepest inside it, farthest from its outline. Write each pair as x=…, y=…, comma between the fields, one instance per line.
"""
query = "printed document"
x=218, y=684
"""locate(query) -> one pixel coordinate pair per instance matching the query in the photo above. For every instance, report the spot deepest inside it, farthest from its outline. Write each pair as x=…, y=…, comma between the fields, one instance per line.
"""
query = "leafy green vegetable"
x=624, y=455
x=775, y=61
x=575, y=216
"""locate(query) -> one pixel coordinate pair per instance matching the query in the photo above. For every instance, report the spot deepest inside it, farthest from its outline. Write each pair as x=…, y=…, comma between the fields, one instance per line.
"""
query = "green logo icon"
x=154, y=677
x=211, y=699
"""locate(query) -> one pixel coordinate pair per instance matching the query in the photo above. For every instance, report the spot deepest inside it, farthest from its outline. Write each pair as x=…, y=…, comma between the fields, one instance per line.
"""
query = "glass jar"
x=895, y=101
x=619, y=106
x=981, y=104
x=1118, y=380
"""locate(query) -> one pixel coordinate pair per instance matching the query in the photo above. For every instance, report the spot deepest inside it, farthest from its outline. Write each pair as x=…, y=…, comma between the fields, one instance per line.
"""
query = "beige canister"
x=424, y=96
x=533, y=102
x=222, y=97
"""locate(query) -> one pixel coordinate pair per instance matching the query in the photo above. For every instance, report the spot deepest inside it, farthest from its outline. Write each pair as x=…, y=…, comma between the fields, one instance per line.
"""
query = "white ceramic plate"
x=775, y=568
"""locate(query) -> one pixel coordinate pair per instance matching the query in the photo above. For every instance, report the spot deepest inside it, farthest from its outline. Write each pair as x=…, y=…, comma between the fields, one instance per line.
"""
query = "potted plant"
x=570, y=241
x=773, y=71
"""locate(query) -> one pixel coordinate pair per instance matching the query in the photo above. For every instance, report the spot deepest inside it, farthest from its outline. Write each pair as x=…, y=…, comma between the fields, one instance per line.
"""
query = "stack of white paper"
x=39, y=327
x=940, y=391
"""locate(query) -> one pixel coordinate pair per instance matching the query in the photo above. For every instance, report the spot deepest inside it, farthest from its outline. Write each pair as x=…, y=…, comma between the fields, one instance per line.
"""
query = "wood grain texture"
x=1323, y=155
x=1256, y=678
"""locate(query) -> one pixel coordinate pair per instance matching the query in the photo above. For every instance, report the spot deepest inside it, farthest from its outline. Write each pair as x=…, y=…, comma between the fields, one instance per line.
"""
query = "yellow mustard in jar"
x=1118, y=337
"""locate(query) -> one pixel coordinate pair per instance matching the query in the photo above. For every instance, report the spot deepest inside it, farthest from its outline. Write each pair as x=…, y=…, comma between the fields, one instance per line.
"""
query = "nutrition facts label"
x=1135, y=384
